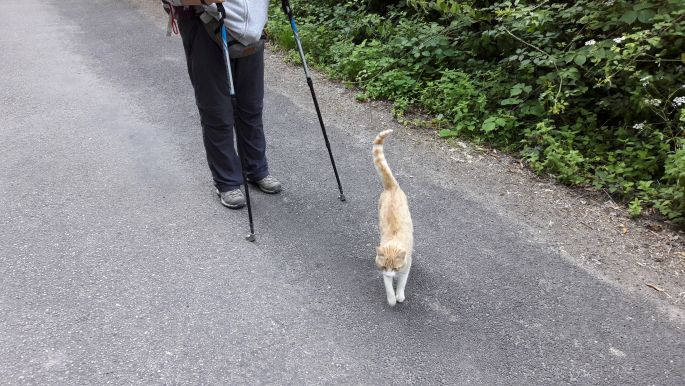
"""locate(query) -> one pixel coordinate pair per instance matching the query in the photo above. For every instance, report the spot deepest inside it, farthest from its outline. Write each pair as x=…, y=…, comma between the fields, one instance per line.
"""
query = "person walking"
x=218, y=116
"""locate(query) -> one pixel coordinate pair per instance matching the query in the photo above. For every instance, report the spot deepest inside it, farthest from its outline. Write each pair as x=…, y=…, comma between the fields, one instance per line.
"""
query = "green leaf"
x=537, y=110
x=629, y=17
x=601, y=54
x=488, y=126
x=635, y=208
x=682, y=57
x=510, y=101
x=645, y=16
x=639, y=7
x=580, y=59
x=445, y=133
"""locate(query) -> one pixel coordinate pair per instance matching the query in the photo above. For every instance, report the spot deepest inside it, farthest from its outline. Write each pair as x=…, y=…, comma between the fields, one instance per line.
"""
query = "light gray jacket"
x=245, y=19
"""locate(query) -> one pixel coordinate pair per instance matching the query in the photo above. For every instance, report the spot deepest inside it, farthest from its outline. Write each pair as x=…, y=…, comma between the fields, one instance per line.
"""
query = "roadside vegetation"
x=592, y=92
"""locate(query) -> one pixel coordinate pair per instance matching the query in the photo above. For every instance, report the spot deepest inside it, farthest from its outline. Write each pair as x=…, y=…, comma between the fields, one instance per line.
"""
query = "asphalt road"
x=118, y=264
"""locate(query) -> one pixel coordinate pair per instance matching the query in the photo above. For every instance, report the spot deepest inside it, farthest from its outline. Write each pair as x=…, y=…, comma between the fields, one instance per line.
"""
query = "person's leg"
x=249, y=84
x=208, y=77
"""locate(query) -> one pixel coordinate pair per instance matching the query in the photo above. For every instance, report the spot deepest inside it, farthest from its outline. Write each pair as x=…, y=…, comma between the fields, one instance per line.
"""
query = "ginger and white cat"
x=393, y=256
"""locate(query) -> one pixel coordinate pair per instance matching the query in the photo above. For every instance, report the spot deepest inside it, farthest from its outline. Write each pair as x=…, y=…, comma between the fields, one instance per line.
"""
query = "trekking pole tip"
x=251, y=238
x=342, y=197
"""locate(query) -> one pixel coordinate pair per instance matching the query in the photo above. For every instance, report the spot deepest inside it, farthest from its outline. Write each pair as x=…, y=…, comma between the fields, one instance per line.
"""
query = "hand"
x=285, y=4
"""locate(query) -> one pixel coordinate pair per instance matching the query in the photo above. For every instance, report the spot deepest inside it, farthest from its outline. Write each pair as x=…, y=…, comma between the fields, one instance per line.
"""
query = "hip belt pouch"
x=244, y=22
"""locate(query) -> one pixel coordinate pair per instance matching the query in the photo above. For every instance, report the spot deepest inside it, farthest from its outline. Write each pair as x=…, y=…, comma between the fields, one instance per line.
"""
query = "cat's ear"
x=402, y=255
x=379, y=251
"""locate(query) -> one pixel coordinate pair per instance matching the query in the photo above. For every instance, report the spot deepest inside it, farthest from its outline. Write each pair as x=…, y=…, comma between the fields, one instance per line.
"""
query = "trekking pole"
x=251, y=237
x=289, y=12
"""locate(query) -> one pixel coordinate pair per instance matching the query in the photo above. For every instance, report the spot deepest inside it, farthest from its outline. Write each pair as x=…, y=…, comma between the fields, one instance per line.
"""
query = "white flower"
x=618, y=40
x=610, y=2
x=639, y=126
x=653, y=102
x=645, y=80
x=590, y=42
x=679, y=101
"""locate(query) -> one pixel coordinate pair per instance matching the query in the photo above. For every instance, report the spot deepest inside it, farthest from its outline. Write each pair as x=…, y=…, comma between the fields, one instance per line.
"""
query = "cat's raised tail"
x=389, y=180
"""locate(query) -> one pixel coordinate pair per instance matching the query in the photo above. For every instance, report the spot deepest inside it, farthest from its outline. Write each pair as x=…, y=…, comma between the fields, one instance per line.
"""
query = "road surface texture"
x=118, y=265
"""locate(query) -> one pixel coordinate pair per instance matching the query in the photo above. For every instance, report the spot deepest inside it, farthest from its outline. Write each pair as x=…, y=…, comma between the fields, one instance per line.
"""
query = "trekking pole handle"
x=222, y=11
x=224, y=47
x=285, y=4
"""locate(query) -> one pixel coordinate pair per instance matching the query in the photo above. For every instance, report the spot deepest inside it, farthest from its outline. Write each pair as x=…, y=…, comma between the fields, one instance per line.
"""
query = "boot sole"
x=232, y=206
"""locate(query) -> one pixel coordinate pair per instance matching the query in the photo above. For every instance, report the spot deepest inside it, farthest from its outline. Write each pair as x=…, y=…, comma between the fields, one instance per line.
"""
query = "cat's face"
x=390, y=259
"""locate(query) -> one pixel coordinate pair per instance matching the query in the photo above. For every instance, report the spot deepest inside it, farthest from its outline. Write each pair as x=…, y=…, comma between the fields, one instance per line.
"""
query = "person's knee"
x=250, y=112
x=216, y=118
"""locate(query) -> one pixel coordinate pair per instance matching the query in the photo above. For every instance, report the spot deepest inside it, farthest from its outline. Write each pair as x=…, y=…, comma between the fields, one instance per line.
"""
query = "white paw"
x=400, y=297
x=392, y=301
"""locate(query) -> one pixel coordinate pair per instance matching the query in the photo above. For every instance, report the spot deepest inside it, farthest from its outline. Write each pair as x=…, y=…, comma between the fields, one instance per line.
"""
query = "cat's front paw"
x=392, y=301
x=400, y=297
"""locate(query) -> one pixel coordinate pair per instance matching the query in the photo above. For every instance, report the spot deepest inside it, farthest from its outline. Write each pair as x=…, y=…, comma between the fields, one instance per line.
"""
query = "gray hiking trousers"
x=218, y=115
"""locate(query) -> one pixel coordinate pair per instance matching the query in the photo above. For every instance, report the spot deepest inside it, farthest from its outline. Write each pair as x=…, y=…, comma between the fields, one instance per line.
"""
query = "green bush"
x=590, y=91
x=456, y=98
x=672, y=201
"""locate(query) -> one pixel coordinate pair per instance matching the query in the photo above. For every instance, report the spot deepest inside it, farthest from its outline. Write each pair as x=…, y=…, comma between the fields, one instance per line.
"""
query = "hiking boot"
x=268, y=184
x=233, y=199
